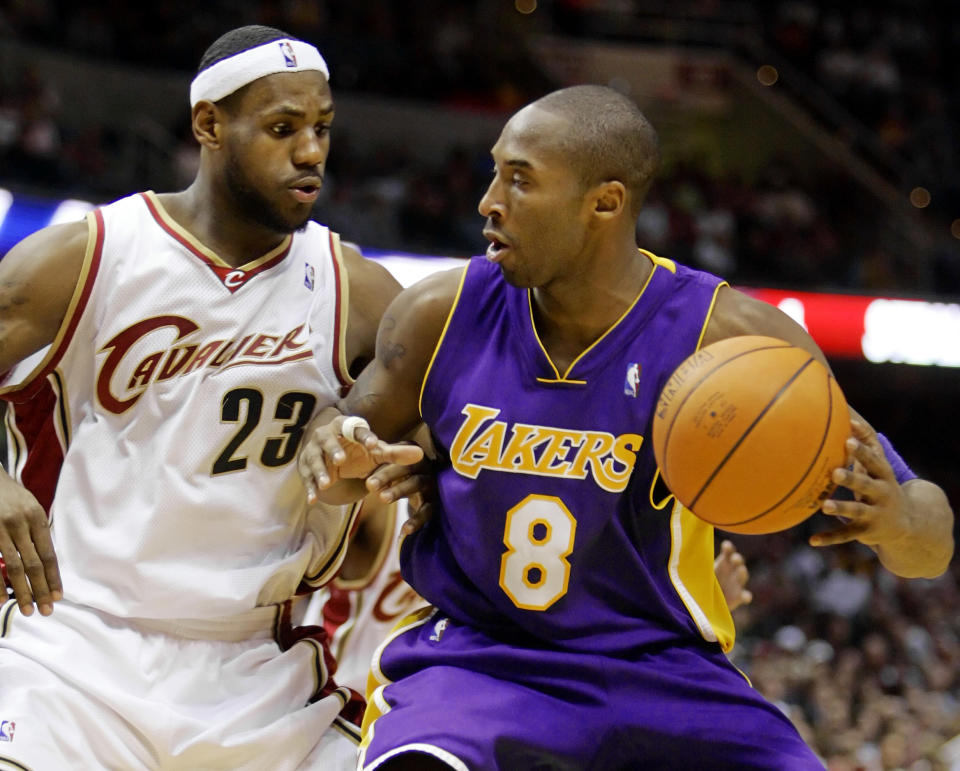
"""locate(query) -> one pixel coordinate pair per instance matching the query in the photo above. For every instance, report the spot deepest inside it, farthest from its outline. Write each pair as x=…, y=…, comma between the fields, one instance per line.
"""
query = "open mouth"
x=306, y=193
x=497, y=248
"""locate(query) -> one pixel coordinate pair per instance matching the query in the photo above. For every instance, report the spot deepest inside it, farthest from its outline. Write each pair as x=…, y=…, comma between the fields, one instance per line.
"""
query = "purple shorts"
x=476, y=702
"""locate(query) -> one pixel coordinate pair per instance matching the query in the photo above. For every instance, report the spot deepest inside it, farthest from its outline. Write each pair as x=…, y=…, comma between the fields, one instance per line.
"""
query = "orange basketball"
x=747, y=433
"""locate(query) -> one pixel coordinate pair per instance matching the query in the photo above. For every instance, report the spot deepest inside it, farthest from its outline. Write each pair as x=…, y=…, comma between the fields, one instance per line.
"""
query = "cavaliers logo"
x=164, y=347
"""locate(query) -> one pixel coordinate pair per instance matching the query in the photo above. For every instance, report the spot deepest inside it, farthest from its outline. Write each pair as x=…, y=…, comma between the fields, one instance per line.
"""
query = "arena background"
x=809, y=151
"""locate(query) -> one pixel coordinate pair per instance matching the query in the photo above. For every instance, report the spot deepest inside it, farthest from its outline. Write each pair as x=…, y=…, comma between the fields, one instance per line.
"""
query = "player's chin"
x=515, y=277
x=302, y=224
x=297, y=221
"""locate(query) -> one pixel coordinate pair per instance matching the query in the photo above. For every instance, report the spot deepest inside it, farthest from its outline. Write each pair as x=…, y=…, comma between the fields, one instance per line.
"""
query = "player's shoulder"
x=684, y=274
x=62, y=243
x=434, y=294
x=372, y=286
x=737, y=313
x=417, y=316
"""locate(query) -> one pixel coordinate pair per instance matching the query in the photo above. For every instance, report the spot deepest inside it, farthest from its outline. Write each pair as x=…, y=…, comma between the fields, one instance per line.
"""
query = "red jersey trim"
x=232, y=277
x=342, y=289
x=37, y=444
x=33, y=383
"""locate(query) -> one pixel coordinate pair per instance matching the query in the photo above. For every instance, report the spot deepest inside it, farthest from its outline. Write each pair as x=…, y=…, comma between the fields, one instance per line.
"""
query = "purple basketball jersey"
x=548, y=528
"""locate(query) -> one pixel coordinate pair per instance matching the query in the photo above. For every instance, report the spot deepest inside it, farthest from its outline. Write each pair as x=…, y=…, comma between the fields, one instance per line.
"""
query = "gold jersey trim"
x=564, y=378
x=443, y=334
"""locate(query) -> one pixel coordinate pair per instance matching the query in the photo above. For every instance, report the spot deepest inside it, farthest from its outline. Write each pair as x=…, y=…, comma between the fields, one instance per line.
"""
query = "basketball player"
x=179, y=380
x=577, y=622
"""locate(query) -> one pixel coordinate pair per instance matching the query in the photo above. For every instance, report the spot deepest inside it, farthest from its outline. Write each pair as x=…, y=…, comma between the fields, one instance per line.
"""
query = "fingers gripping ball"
x=747, y=432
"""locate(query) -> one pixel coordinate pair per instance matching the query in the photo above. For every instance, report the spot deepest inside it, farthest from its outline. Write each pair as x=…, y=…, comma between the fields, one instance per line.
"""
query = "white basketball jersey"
x=359, y=614
x=178, y=389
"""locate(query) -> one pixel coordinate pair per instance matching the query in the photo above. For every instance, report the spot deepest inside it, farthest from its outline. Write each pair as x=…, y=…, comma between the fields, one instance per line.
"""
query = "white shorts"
x=84, y=690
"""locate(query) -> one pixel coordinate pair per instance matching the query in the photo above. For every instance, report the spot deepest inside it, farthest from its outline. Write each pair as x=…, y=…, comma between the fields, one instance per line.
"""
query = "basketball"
x=747, y=432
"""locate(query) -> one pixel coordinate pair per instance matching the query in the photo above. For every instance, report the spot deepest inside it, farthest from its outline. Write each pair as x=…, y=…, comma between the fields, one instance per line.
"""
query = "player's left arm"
x=908, y=521
x=371, y=290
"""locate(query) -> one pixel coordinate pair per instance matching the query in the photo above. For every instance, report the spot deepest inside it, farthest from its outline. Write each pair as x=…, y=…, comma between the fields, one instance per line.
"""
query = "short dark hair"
x=609, y=137
x=237, y=40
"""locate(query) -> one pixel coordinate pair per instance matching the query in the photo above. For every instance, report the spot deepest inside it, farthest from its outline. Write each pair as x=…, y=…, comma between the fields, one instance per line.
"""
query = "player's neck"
x=573, y=313
x=232, y=237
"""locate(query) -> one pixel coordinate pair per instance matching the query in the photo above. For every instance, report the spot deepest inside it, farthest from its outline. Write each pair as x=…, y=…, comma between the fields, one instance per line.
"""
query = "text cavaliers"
x=181, y=358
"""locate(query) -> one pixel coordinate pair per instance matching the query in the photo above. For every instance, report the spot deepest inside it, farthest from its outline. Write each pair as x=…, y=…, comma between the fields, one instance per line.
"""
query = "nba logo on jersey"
x=308, y=276
x=632, y=380
x=289, y=58
x=6, y=730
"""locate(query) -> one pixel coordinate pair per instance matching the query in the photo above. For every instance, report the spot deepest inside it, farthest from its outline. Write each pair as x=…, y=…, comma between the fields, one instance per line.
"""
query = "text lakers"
x=485, y=443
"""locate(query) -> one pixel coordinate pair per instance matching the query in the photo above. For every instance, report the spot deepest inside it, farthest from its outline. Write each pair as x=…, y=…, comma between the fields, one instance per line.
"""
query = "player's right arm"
x=38, y=277
x=386, y=395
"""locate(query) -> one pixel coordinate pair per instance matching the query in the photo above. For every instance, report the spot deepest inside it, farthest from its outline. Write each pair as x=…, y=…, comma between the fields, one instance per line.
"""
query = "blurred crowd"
x=780, y=228
x=890, y=64
x=865, y=664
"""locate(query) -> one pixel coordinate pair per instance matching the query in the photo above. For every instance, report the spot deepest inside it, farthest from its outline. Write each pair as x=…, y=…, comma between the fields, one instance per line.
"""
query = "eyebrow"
x=518, y=163
x=296, y=112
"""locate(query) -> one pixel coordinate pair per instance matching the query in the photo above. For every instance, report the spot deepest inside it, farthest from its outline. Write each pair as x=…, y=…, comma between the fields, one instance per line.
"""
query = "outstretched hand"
x=335, y=450
x=879, y=514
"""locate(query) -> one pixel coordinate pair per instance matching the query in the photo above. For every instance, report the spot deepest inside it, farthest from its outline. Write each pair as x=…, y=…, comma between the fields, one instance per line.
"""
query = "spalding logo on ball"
x=747, y=433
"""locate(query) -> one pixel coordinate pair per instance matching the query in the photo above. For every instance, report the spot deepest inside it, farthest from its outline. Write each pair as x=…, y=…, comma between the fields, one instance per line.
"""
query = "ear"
x=610, y=199
x=207, y=123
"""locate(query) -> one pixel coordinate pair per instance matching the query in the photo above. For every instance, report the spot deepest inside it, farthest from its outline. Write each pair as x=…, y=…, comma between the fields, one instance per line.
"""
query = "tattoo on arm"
x=11, y=295
x=388, y=350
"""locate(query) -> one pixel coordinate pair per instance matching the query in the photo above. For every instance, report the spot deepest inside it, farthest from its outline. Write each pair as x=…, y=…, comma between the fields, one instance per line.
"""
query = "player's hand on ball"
x=339, y=447
x=27, y=550
x=879, y=513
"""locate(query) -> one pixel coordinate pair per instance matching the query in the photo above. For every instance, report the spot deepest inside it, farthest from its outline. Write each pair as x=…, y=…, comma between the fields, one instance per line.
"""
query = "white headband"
x=228, y=75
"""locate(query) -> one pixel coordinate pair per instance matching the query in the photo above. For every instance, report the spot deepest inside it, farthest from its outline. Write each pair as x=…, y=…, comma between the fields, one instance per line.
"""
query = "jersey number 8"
x=539, y=533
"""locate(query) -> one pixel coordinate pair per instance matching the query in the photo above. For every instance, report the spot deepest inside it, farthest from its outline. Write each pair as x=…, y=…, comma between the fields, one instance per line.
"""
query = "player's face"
x=277, y=140
x=535, y=205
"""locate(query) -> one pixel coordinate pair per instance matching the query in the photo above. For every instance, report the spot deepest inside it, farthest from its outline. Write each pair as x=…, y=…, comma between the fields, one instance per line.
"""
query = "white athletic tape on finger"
x=351, y=424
